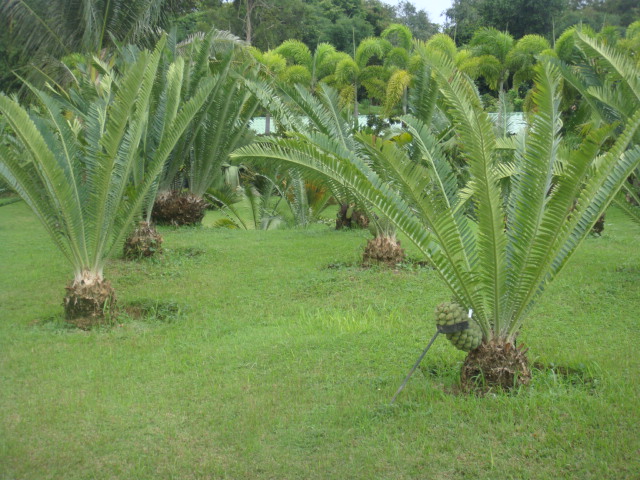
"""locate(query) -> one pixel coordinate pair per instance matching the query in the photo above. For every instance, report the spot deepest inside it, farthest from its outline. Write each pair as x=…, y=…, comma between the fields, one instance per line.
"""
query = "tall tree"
x=417, y=21
x=365, y=69
x=518, y=17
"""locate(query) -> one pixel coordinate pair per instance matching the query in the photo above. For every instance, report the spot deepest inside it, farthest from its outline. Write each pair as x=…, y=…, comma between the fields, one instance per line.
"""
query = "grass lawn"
x=253, y=359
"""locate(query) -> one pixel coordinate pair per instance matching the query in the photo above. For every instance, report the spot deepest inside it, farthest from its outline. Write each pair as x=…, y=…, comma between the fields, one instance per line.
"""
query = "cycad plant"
x=74, y=169
x=497, y=255
x=606, y=89
x=197, y=163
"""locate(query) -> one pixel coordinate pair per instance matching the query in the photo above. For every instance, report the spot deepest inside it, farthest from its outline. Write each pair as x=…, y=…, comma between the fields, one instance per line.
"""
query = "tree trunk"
x=405, y=100
x=267, y=124
x=247, y=20
x=355, y=103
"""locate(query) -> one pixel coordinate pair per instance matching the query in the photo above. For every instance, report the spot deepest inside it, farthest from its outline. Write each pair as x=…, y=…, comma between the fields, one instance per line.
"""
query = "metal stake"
x=424, y=352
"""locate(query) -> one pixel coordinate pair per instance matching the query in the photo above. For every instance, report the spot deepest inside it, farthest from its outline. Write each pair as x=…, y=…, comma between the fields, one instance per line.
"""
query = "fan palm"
x=498, y=257
x=74, y=168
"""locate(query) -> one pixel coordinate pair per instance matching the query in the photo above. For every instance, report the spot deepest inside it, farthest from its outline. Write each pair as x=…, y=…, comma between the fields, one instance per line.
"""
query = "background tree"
x=417, y=21
x=397, y=63
x=490, y=49
x=365, y=69
x=44, y=31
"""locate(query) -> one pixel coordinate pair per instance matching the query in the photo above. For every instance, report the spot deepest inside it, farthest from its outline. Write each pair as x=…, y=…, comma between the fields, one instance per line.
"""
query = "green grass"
x=252, y=359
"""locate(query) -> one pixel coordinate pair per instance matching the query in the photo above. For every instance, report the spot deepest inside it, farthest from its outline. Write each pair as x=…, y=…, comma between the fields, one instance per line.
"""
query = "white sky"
x=433, y=8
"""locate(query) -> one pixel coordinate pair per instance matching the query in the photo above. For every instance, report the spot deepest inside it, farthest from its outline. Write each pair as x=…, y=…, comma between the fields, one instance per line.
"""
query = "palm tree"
x=498, y=255
x=522, y=57
x=356, y=71
x=490, y=49
x=397, y=62
x=306, y=68
x=73, y=168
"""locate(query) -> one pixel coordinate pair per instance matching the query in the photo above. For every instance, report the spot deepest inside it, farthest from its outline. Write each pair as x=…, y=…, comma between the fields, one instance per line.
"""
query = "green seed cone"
x=450, y=313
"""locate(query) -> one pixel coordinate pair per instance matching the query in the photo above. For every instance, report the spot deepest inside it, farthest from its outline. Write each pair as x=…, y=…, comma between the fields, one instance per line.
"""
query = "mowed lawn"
x=272, y=355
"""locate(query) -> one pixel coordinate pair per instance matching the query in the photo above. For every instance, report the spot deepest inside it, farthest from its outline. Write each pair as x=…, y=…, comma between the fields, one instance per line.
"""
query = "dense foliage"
x=34, y=34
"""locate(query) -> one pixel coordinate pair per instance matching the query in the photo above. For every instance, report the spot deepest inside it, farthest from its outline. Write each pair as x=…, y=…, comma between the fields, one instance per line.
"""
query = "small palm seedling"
x=499, y=252
x=74, y=170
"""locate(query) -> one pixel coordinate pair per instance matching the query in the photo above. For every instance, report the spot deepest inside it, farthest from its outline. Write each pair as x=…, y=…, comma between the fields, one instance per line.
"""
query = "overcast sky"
x=433, y=8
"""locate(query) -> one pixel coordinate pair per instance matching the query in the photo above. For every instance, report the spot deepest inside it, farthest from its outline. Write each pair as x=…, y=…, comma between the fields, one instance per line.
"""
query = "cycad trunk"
x=178, y=208
x=349, y=217
x=90, y=300
x=383, y=250
x=144, y=241
x=495, y=365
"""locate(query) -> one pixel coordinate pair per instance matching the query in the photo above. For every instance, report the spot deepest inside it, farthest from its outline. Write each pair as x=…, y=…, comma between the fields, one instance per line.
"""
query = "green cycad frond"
x=46, y=30
x=628, y=200
x=225, y=127
x=530, y=186
x=478, y=143
x=34, y=173
x=423, y=95
x=323, y=113
x=617, y=63
x=228, y=99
